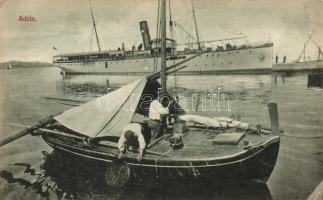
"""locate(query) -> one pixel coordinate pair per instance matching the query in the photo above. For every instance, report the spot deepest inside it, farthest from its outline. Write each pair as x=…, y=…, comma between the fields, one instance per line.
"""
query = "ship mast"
x=304, y=48
x=96, y=34
x=195, y=24
x=163, y=47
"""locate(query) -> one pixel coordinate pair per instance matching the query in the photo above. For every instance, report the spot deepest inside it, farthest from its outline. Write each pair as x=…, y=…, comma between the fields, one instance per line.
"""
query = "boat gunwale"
x=252, y=152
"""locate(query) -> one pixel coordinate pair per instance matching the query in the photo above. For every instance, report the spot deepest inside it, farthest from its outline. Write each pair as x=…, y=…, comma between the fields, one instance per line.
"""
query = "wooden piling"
x=273, y=114
x=108, y=83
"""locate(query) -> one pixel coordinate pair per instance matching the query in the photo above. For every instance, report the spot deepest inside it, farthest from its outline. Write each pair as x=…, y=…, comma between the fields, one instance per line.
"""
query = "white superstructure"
x=245, y=60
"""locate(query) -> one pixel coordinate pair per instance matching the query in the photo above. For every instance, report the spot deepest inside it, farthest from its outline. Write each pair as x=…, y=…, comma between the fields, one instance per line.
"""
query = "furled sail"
x=106, y=115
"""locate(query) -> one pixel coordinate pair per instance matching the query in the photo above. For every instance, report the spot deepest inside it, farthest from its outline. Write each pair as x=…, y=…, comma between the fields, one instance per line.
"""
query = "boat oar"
x=27, y=131
x=62, y=99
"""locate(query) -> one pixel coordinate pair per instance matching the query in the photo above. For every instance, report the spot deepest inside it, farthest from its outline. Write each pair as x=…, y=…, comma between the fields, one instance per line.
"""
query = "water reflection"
x=33, y=179
x=315, y=80
x=88, y=85
x=190, y=82
x=211, y=89
x=66, y=177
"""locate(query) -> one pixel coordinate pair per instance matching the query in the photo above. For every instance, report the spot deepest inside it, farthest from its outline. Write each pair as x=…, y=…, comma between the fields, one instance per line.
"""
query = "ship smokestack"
x=145, y=34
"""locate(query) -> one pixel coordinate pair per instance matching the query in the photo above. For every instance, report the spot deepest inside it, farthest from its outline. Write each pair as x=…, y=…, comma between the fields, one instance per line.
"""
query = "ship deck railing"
x=178, y=54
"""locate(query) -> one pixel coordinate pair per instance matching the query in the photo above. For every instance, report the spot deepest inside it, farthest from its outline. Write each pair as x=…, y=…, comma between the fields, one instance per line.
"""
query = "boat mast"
x=163, y=47
x=196, y=31
x=96, y=34
x=170, y=22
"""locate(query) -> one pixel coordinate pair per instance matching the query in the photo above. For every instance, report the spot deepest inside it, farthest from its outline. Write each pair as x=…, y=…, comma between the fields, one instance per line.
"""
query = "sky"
x=67, y=25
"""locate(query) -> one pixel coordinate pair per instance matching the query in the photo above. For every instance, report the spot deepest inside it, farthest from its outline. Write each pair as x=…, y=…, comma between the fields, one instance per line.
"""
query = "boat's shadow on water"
x=64, y=177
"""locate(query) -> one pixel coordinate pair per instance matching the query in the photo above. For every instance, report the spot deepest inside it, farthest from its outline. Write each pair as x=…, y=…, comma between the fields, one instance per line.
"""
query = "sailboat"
x=188, y=149
x=9, y=66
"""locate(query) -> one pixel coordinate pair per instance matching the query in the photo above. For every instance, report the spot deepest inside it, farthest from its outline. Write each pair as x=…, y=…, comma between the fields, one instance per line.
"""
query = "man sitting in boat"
x=132, y=137
x=156, y=110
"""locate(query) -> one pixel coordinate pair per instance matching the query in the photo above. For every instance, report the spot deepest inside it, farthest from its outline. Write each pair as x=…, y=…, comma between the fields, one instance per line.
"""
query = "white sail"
x=106, y=115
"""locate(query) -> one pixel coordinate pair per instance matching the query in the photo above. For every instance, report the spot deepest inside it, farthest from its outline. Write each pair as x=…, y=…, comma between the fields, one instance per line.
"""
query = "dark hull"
x=256, y=163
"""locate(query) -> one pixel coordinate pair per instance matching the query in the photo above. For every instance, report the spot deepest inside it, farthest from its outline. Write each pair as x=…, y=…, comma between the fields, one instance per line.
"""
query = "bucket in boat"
x=179, y=126
x=176, y=141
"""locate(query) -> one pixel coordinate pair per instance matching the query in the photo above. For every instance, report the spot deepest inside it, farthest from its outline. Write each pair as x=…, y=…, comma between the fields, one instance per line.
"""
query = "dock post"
x=258, y=129
x=108, y=83
x=273, y=114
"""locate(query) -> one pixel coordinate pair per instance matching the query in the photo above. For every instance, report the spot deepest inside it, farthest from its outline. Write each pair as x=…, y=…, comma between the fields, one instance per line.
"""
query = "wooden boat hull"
x=256, y=163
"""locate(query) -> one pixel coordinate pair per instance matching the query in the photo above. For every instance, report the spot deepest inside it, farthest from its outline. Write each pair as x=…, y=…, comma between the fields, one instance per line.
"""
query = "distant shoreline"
x=24, y=64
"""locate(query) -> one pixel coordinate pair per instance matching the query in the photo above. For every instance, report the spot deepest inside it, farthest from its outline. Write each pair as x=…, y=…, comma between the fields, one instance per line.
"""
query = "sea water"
x=29, y=169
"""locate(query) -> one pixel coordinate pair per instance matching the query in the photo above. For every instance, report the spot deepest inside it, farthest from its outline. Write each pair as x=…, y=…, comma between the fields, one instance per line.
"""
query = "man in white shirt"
x=132, y=137
x=156, y=110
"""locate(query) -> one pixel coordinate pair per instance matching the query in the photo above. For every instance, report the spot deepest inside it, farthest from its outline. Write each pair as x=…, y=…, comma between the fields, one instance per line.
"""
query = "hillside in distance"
x=24, y=64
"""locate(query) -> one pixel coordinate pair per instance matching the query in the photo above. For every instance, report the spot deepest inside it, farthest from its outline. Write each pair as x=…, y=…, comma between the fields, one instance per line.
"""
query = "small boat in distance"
x=229, y=55
x=6, y=66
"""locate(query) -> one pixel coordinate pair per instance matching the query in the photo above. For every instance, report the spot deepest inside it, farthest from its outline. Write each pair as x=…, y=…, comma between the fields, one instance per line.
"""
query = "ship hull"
x=255, y=164
x=249, y=61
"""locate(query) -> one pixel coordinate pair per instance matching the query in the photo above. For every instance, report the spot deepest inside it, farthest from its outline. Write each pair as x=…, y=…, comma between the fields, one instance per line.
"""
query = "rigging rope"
x=164, y=154
x=138, y=36
x=91, y=39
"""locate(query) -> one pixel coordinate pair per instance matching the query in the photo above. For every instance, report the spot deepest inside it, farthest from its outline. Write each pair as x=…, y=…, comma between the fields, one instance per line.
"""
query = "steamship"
x=225, y=58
